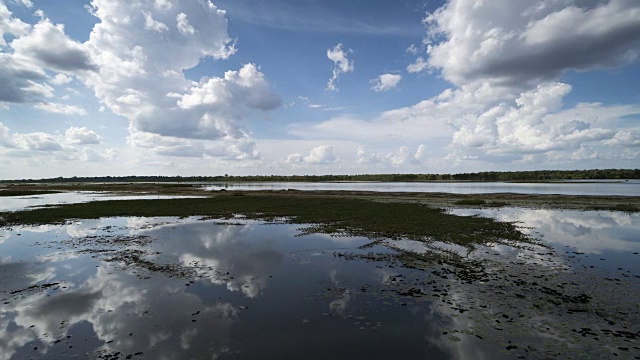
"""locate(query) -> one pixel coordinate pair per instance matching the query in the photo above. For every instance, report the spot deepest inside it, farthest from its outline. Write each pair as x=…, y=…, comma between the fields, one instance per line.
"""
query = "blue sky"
x=197, y=87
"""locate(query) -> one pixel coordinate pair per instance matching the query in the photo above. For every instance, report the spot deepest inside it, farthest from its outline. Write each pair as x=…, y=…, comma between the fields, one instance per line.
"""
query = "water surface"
x=188, y=288
x=620, y=187
x=14, y=203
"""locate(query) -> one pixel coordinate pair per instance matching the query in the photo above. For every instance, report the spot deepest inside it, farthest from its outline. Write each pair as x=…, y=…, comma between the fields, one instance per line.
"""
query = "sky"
x=250, y=87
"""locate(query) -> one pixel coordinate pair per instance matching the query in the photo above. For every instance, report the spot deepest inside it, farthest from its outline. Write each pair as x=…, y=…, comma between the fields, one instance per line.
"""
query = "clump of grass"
x=497, y=204
x=353, y=216
x=620, y=207
x=471, y=202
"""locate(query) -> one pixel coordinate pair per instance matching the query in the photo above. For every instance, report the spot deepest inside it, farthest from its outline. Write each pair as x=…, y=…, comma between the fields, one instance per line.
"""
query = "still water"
x=187, y=288
x=14, y=203
x=619, y=188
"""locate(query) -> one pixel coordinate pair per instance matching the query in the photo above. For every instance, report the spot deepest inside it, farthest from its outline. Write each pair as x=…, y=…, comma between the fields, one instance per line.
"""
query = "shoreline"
x=432, y=199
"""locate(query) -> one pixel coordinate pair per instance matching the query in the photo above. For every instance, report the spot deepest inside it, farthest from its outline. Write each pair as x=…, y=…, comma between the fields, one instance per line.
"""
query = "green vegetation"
x=538, y=175
x=472, y=202
x=26, y=192
x=343, y=215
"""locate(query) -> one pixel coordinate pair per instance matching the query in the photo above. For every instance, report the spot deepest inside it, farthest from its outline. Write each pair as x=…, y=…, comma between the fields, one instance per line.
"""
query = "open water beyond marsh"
x=168, y=288
x=592, y=187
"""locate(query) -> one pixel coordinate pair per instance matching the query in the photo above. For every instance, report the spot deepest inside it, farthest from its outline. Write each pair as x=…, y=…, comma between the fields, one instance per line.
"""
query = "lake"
x=620, y=187
x=174, y=288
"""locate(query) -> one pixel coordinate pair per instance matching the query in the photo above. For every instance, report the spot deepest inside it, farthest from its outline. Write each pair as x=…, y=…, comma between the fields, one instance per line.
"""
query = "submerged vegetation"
x=335, y=215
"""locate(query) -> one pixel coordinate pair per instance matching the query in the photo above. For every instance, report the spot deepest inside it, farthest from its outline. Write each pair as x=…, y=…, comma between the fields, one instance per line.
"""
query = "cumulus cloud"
x=229, y=149
x=57, y=108
x=48, y=46
x=38, y=141
x=295, y=158
x=140, y=77
x=61, y=79
x=34, y=50
x=512, y=43
x=341, y=64
x=27, y=3
x=38, y=146
x=535, y=122
x=81, y=136
x=152, y=24
x=482, y=122
x=165, y=145
x=386, y=82
x=10, y=25
x=322, y=154
x=400, y=157
x=22, y=81
x=183, y=24
x=417, y=66
x=91, y=155
x=246, y=87
x=412, y=49
x=240, y=149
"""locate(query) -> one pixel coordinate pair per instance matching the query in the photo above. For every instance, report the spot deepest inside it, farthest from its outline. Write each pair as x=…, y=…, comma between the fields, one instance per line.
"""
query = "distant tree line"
x=537, y=175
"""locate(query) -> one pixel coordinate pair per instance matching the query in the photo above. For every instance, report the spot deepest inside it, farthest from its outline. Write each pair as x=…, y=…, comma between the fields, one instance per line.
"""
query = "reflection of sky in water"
x=622, y=188
x=587, y=236
x=13, y=203
x=258, y=289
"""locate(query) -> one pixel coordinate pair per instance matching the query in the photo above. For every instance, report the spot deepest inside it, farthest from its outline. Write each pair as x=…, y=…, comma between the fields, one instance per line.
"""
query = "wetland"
x=163, y=271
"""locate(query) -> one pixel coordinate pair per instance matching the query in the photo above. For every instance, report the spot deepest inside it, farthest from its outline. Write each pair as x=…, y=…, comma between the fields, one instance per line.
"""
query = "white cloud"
x=247, y=87
x=322, y=154
x=91, y=155
x=419, y=65
x=81, y=136
x=400, y=157
x=182, y=22
x=514, y=42
x=625, y=138
x=27, y=3
x=5, y=138
x=140, y=77
x=48, y=46
x=163, y=4
x=61, y=79
x=487, y=124
x=386, y=82
x=241, y=149
x=341, y=64
x=229, y=149
x=38, y=141
x=152, y=24
x=535, y=122
x=57, y=108
x=10, y=25
x=164, y=145
x=34, y=50
x=295, y=158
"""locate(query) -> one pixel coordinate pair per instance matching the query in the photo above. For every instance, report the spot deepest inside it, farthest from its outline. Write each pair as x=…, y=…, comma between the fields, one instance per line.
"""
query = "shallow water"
x=14, y=203
x=620, y=187
x=186, y=288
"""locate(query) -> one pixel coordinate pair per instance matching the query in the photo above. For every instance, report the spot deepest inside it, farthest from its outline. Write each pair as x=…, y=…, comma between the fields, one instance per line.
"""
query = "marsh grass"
x=348, y=216
x=471, y=202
